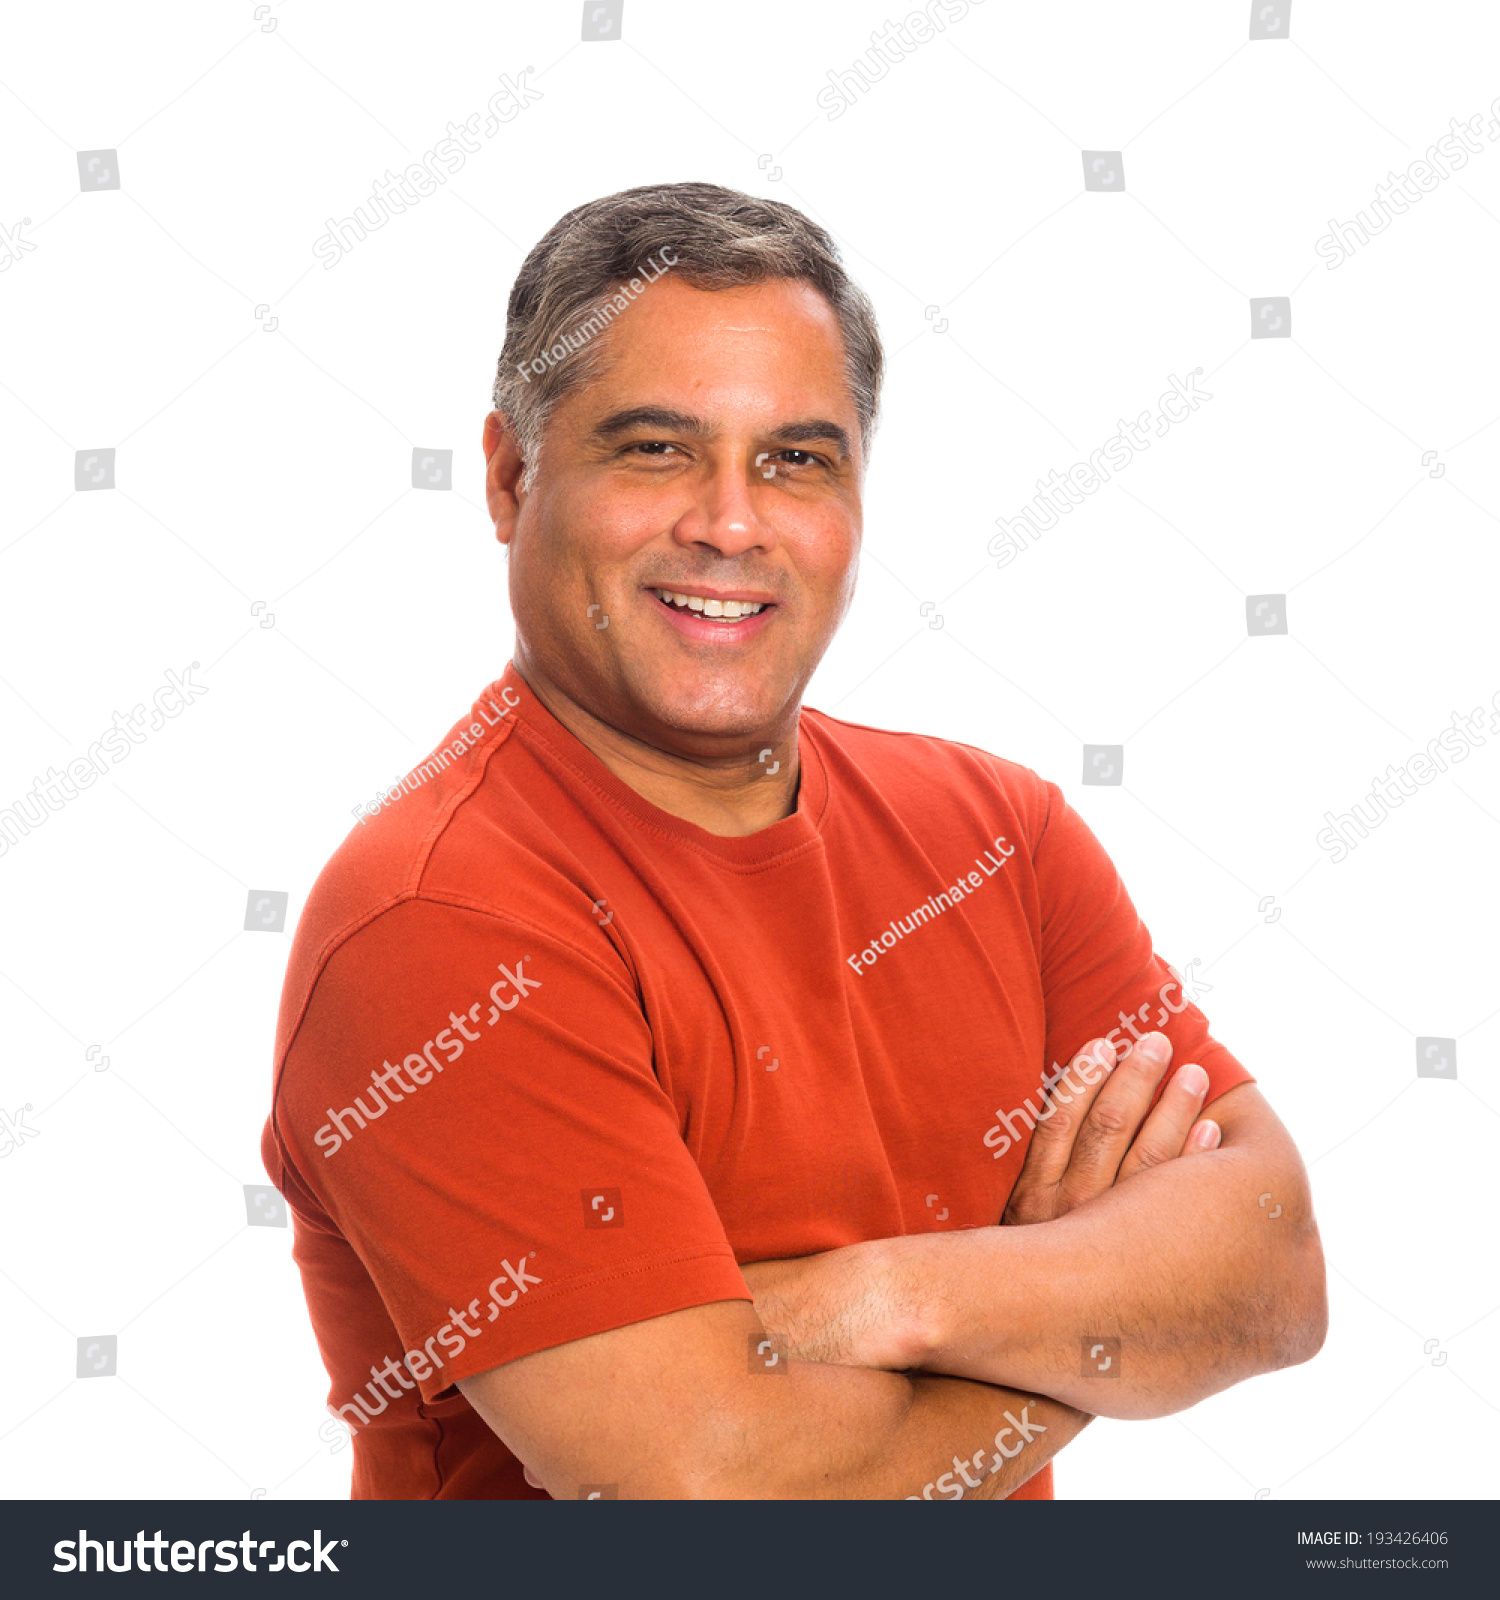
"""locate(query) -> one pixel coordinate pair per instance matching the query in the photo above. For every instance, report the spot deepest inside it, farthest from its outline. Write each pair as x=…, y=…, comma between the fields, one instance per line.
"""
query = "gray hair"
x=569, y=287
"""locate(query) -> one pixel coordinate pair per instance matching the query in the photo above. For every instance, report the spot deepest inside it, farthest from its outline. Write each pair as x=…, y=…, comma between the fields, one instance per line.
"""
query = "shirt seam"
x=611, y=1275
x=588, y=1280
x=781, y=857
x=423, y=854
x=444, y=819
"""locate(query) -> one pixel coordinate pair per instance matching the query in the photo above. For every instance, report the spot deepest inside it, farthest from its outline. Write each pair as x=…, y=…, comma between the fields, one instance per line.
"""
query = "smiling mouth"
x=721, y=611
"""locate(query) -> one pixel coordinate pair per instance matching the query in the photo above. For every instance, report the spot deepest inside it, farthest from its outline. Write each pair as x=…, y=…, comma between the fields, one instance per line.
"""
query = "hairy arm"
x=691, y=1406
x=1204, y=1264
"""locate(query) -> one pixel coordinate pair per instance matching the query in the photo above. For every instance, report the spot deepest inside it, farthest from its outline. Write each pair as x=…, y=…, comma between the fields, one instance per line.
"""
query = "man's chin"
x=707, y=718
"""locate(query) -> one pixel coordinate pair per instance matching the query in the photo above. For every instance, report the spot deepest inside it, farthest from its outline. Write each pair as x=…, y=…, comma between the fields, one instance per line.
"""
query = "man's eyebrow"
x=809, y=431
x=662, y=417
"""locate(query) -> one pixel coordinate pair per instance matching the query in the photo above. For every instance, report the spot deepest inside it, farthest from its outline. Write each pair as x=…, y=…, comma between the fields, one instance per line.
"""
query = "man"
x=652, y=991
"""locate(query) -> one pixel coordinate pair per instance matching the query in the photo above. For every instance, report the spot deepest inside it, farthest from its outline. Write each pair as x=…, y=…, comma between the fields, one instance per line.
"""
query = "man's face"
x=717, y=458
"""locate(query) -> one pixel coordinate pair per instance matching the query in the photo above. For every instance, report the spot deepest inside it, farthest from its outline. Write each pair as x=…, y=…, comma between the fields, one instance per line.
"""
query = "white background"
x=274, y=464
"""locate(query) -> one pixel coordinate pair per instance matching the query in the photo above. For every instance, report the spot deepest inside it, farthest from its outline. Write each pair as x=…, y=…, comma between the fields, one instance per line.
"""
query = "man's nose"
x=724, y=513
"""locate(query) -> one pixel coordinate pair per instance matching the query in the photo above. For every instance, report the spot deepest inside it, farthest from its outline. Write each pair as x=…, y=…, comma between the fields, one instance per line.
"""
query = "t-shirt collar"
x=536, y=724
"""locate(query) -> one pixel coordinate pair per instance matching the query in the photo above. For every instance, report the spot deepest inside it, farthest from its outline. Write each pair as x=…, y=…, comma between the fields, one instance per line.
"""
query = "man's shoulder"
x=450, y=843
x=388, y=851
x=928, y=769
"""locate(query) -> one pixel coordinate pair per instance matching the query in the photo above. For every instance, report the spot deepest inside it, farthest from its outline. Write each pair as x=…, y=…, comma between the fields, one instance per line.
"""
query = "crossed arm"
x=1147, y=1232
x=1187, y=1253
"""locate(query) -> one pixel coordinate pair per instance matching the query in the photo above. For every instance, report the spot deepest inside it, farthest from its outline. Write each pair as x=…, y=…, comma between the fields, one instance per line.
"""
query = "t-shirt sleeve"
x=473, y=1104
x=1097, y=959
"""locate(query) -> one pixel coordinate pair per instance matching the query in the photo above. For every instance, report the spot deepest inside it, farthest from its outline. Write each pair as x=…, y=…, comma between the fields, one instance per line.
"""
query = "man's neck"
x=731, y=799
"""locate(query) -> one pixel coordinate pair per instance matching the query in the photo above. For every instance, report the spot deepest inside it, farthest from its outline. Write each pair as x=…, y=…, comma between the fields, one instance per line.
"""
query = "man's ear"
x=504, y=468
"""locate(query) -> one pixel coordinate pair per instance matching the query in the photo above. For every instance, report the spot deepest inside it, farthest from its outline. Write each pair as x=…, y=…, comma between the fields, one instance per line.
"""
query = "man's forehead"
x=789, y=315
x=778, y=307
x=783, y=372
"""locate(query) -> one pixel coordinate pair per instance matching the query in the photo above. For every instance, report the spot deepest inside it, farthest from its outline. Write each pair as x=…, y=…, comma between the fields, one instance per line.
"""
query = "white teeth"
x=728, y=609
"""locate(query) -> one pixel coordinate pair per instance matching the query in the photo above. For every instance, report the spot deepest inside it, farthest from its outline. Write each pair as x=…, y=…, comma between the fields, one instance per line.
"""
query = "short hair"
x=720, y=238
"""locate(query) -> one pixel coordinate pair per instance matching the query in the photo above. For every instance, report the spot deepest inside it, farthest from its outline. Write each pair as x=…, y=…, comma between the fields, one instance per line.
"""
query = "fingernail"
x=1194, y=1079
x=1155, y=1047
x=1206, y=1136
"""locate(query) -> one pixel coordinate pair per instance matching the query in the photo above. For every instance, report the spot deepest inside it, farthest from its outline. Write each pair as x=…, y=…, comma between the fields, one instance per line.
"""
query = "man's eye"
x=655, y=447
x=804, y=458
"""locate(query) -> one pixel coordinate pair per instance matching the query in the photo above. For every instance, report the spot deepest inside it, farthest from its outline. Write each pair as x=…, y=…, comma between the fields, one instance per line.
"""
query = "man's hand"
x=1179, y=1259
x=1093, y=1136
x=852, y=1306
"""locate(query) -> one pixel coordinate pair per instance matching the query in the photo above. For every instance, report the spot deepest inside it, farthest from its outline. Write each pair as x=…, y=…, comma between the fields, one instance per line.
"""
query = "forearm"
x=1185, y=1265
x=935, y=1437
x=670, y=1408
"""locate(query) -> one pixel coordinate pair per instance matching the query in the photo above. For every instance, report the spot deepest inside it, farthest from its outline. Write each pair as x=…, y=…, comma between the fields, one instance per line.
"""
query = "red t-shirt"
x=551, y=1060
